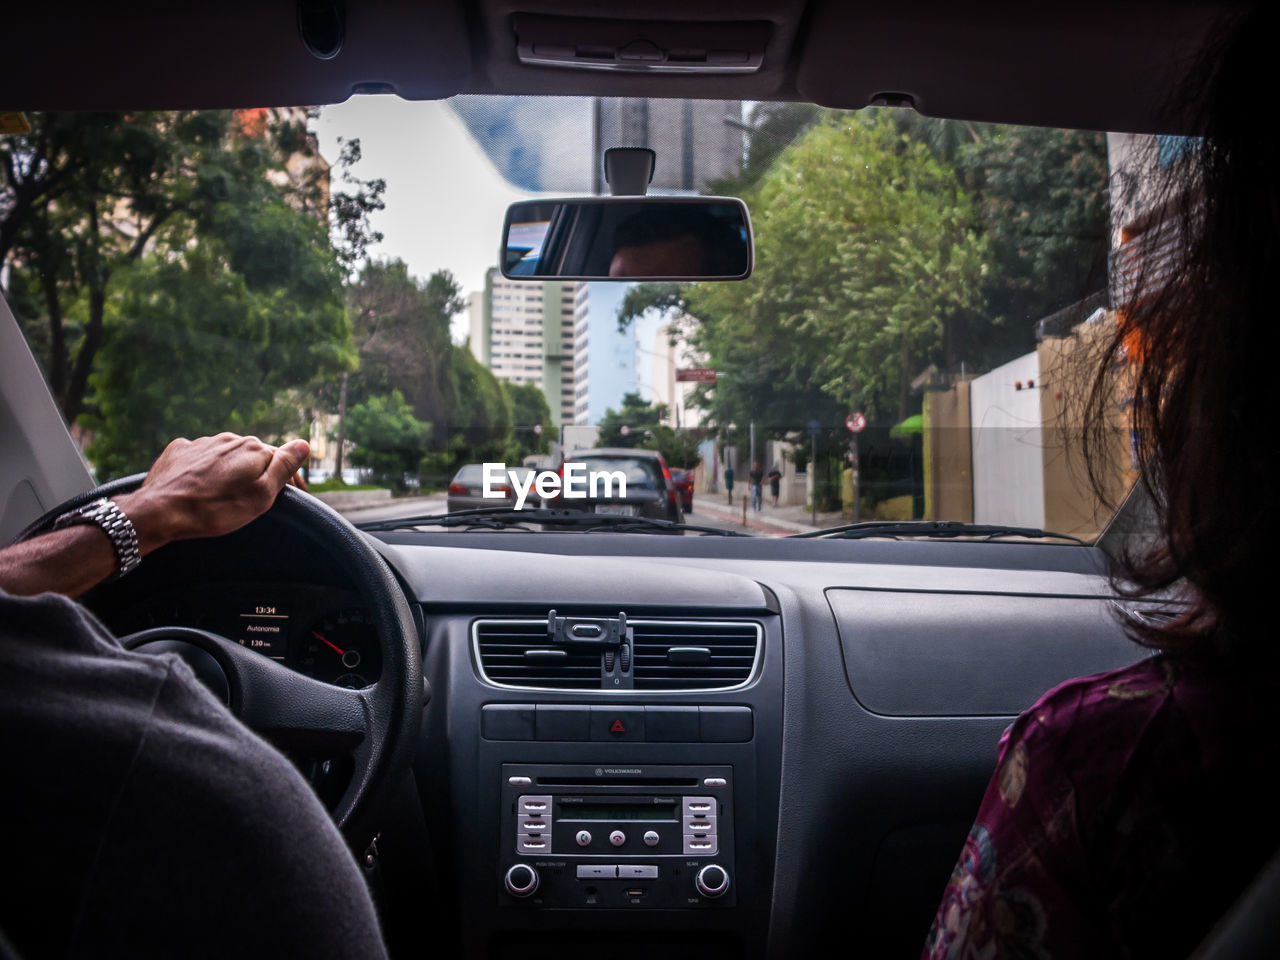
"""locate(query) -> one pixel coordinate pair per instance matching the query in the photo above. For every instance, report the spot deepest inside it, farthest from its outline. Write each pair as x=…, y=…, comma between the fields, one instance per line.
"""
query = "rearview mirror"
x=628, y=238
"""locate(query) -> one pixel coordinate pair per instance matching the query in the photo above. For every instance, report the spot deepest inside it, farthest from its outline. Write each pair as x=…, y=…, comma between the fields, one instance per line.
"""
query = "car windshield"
x=641, y=473
x=913, y=343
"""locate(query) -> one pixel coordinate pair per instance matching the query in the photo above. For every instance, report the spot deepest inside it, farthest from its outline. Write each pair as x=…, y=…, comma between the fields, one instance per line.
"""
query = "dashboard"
x=696, y=746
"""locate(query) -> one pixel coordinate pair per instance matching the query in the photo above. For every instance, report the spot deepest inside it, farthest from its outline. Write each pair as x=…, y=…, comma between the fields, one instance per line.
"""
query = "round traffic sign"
x=856, y=422
x=537, y=428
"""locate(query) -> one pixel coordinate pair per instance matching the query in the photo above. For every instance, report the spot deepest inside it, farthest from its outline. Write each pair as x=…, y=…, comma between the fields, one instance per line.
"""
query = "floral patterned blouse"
x=1127, y=811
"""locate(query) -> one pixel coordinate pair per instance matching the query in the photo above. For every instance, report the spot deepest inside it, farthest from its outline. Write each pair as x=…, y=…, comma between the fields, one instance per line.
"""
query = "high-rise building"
x=604, y=357
x=695, y=140
x=523, y=331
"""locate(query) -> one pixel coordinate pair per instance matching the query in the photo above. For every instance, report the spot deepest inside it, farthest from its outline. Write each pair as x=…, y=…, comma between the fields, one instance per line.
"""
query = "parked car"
x=683, y=479
x=650, y=490
x=466, y=490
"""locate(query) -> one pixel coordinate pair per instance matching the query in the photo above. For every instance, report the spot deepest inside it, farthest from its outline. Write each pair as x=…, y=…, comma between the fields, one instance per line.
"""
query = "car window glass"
x=913, y=343
x=642, y=473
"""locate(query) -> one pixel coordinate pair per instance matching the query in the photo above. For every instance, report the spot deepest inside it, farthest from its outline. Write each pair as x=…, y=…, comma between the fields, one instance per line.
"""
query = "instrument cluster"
x=323, y=632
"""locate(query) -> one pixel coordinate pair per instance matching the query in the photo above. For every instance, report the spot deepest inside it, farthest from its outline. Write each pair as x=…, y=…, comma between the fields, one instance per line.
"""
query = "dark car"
x=683, y=479
x=649, y=489
x=466, y=490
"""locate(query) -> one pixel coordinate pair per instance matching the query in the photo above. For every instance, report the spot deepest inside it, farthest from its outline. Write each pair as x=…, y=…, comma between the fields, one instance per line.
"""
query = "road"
x=417, y=506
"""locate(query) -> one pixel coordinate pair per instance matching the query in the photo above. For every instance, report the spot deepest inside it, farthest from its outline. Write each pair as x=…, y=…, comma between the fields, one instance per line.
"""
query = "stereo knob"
x=522, y=880
x=712, y=881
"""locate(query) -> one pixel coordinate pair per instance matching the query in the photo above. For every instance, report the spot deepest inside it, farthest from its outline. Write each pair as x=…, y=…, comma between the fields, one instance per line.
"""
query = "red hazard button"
x=617, y=723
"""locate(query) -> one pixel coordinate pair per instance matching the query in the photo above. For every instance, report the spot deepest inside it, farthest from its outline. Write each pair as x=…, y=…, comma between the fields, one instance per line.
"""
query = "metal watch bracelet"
x=115, y=524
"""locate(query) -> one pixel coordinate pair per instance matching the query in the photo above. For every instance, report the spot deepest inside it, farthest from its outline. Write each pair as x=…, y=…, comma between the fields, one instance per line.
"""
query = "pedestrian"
x=728, y=483
x=756, y=478
x=775, y=481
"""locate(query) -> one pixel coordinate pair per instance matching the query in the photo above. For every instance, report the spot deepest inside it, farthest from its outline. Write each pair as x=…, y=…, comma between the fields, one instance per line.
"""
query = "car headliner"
x=1092, y=64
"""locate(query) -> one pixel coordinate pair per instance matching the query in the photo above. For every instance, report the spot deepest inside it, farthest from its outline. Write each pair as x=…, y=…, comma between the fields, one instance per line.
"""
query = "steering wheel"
x=376, y=727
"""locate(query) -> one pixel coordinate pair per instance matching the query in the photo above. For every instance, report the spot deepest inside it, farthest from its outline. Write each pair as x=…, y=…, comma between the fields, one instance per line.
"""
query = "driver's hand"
x=210, y=486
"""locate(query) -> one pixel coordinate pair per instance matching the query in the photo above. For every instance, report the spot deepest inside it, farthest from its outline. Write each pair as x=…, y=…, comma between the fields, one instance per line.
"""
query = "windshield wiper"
x=504, y=518
x=941, y=529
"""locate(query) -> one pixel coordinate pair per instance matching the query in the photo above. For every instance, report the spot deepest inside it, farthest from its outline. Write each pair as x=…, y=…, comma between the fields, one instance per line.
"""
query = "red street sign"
x=856, y=422
x=617, y=727
x=695, y=375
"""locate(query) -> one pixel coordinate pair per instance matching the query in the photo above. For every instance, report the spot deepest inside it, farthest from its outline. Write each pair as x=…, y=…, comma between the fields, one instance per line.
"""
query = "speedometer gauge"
x=342, y=648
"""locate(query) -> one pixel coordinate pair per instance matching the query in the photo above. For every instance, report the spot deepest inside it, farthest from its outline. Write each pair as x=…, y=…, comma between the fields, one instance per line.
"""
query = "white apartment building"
x=523, y=330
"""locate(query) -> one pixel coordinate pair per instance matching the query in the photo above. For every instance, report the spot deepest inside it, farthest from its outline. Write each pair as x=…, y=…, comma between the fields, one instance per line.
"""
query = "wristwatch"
x=115, y=524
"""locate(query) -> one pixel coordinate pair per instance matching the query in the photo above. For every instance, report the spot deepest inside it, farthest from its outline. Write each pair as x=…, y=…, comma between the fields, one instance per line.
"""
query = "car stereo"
x=617, y=836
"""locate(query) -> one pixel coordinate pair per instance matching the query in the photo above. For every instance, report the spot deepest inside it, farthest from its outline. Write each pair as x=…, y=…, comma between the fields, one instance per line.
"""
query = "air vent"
x=687, y=655
x=668, y=655
x=518, y=653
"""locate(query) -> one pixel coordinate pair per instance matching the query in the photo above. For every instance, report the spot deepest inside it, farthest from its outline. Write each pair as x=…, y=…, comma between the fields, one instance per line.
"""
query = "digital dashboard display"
x=630, y=812
x=265, y=628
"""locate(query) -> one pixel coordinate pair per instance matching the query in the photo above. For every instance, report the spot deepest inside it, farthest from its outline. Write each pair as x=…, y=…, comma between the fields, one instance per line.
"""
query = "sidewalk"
x=779, y=521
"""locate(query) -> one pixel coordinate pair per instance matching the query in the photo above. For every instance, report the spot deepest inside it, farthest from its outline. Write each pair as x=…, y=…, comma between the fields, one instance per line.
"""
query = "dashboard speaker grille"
x=694, y=656
x=667, y=655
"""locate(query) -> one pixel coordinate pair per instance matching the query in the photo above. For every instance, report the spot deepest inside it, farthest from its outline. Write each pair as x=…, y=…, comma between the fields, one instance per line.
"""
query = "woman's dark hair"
x=1196, y=350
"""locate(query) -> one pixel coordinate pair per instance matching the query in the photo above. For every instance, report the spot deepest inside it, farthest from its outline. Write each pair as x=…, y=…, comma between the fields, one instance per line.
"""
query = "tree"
x=388, y=438
x=678, y=447
x=529, y=409
x=193, y=347
x=350, y=211
x=866, y=250
x=85, y=198
x=1044, y=205
x=400, y=326
x=480, y=414
x=632, y=424
x=772, y=128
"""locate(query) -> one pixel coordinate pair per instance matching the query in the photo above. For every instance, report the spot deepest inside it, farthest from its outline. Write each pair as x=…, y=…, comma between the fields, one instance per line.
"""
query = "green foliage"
x=678, y=447
x=866, y=247
x=773, y=127
x=1044, y=207
x=645, y=430
x=400, y=326
x=480, y=414
x=637, y=415
x=175, y=278
x=401, y=330
x=389, y=440
x=193, y=349
x=528, y=409
x=886, y=241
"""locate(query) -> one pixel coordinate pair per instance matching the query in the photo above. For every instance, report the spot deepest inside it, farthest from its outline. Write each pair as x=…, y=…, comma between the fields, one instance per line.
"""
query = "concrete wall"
x=1008, y=464
x=1067, y=368
x=948, y=455
x=994, y=453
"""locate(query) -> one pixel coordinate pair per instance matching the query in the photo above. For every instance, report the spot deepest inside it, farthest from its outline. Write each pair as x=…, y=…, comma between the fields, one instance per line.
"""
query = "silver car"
x=466, y=490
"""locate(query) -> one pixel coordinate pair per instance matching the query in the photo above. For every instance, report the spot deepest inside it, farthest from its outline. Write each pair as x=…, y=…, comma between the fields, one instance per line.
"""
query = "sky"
x=445, y=199
x=445, y=196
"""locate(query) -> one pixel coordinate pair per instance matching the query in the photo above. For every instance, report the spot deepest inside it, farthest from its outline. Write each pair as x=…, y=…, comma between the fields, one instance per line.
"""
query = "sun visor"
x=241, y=53
x=1091, y=64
